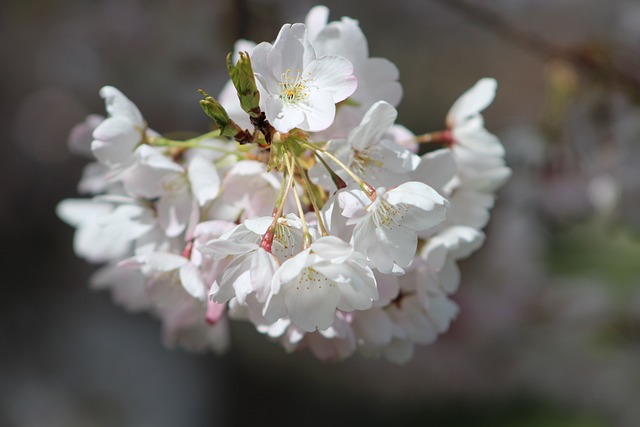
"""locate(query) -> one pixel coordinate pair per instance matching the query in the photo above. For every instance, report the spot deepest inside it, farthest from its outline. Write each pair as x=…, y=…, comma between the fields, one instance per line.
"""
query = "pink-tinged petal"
x=333, y=74
x=375, y=123
x=215, y=312
x=81, y=135
x=191, y=280
x=472, y=101
x=119, y=105
x=204, y=178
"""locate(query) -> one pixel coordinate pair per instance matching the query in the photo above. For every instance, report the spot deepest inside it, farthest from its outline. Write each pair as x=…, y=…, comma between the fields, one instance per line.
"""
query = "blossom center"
x=174, y=183
x=312, y=277
x=293, y=89
x=364, y=160
x=388, y=216
x=286, y=243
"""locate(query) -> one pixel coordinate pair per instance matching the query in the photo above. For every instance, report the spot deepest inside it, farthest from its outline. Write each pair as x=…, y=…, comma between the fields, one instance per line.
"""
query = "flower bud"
x=243, y=79
x=213, y=109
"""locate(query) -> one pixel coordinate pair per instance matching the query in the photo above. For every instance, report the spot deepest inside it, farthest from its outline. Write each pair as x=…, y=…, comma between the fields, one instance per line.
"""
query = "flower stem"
x=314, y=203
x=305, y=228
x=315, y=149
x=439, y=137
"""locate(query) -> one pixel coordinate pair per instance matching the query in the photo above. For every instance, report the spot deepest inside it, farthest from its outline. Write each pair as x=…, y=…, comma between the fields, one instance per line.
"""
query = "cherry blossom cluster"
x=307, y=211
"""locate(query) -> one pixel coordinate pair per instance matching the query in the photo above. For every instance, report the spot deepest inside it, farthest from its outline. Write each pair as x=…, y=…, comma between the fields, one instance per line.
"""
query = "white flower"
x=250, y=187
x=377, y=77
x=252, y=267
x=370, y=152
x=104, y=232
x=309, y=287
x=479, y=154
x=117, y=136
x=301, y=90
x=386, y=228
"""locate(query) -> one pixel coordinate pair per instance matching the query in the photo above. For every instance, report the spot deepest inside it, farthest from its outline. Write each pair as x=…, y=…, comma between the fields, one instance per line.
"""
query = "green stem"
x=305, y=229
x=314, y=203
x=313, y=148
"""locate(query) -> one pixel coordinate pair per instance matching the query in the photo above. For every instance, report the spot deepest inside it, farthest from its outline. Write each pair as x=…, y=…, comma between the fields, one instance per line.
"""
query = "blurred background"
x=549, y=329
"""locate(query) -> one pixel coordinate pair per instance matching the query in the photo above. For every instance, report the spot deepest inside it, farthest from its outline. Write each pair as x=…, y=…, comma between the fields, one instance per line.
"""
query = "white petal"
x=282, y=116
x=332, y=248
x=221, y=248
x=319, y=111
x=344, y=38
x=472, y=134
x=333, y=74
x=162, y=261
x=192, y=281
x=472, y=101
x=375, y=123
x=316, y=20
x=174, y=211
x=76, y=211
x=119, y=105
x=436, y=169
x=311, y=307
x=263, y=268
x=205, y=182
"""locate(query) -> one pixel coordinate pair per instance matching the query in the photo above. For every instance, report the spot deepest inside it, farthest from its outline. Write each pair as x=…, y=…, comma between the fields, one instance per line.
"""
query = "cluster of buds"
x=307, y=211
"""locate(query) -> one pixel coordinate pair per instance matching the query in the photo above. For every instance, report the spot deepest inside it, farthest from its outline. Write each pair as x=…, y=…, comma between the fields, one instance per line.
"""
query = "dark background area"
x=548, y=333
